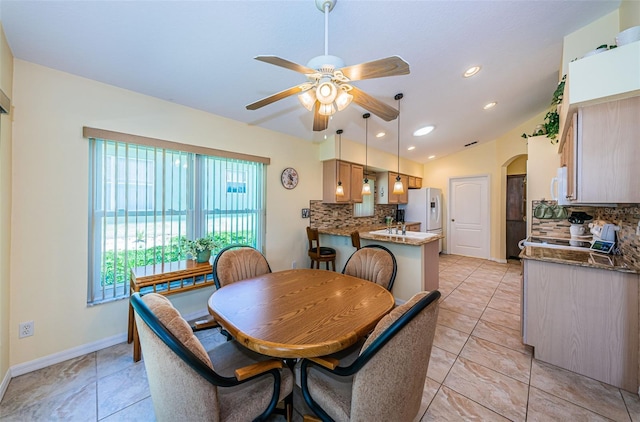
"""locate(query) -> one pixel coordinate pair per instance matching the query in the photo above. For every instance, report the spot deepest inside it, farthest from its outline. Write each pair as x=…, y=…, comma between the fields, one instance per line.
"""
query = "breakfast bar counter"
x=417, y=258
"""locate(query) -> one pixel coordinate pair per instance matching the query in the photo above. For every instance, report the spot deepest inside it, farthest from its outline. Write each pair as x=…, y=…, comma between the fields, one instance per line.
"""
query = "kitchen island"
x=580, y=312
x=418, y=259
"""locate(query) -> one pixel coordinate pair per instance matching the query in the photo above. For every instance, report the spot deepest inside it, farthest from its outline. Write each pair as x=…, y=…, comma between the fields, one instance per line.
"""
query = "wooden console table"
x=165, y=279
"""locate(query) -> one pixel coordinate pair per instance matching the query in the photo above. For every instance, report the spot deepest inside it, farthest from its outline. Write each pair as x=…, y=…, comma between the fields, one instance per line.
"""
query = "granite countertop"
x=364, y=234
x=583, y=259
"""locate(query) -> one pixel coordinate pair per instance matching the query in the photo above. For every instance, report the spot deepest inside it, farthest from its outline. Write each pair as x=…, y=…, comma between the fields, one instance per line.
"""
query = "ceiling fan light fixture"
x=327, y=109
x=343, y=99
x=326, y=92
x=308, y=99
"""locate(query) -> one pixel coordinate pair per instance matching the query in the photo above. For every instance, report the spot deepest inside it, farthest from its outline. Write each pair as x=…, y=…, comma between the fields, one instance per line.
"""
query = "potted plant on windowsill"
x=199, y=249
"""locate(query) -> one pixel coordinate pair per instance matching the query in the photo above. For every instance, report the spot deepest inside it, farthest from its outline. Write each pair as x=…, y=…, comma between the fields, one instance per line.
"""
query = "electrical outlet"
x=26, y=329
x=638, y=229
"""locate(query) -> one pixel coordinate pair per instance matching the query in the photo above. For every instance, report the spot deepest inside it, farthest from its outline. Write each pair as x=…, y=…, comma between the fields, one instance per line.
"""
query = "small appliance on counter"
x=578, y=230
x=400, y=215
x=604, y=235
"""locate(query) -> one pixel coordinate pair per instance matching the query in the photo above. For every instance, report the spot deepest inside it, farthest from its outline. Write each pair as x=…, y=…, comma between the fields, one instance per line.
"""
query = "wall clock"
x=289, y=178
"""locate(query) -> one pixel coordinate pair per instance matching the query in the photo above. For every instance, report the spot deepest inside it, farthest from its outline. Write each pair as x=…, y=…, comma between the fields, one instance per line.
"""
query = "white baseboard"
x=499, y=260
x=5, y=383
x=43, y=362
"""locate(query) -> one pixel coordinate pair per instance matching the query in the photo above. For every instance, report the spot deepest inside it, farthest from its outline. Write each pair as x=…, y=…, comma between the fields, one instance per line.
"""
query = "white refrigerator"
x=425, y=207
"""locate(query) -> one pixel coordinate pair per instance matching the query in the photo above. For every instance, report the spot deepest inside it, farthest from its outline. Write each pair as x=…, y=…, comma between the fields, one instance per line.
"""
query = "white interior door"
x=469, y=222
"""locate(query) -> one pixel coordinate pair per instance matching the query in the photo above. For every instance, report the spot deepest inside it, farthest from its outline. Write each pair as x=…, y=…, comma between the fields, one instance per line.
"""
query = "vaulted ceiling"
x=200, y=54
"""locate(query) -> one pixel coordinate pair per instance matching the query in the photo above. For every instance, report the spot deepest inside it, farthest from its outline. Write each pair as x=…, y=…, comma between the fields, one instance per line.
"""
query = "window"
x=145, y=198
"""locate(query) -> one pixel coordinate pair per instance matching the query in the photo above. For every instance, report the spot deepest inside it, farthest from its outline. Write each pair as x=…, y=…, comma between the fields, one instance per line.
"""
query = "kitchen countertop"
x=583, y=259
x=364, y=234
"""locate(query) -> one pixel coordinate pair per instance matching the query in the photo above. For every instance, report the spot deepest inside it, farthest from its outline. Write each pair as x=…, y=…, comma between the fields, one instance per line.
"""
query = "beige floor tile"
x=467, y=308
x=586, y=392
x=26, y=389
x=114, y=358
x=69, y=405
x=440, y=363
x=477, y=288
x=450, y=406
x=545, y=407
x=508, y=306
x=502, y=335
x=141, y=411
x=501, y=318
x=507, y=293
x=122, y=389
x=633, y=404
x=482, y=282
x=430, y=389
x=468, y=296
x=449, y=339
x=453, y=273
x=488, y=275
x=456, y=320
x=499, y=358
x=500, y=393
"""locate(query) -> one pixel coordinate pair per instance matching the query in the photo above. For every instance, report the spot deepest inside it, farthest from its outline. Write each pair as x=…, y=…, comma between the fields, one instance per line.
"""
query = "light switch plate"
x=306, y=213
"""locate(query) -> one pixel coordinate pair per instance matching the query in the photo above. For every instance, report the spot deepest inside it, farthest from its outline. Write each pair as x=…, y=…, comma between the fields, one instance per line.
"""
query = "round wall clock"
x=289, y=178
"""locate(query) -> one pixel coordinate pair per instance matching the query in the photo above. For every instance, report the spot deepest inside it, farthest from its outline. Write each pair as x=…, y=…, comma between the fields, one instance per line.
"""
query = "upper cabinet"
x=350, y=174
x=611, y=75
x=384, y=192
x=601, y=151
x=415, y=182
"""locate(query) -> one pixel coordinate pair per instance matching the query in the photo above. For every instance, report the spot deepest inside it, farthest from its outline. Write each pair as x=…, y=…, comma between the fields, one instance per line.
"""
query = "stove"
x=576, y=244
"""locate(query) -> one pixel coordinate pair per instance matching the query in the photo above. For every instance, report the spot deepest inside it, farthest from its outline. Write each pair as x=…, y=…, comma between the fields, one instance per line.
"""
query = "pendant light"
x=339, y=188
x=366, y=187
x=398, y=189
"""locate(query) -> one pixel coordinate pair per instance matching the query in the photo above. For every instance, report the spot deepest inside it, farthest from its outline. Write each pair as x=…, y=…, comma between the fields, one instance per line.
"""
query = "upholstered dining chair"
x=318, y=253
x=238, y=262
x=374, y=263
x=190, y=383
x=385, y=379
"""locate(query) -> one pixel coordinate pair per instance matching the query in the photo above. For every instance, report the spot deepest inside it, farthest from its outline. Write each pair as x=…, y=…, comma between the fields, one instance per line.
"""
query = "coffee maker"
x=400, y=216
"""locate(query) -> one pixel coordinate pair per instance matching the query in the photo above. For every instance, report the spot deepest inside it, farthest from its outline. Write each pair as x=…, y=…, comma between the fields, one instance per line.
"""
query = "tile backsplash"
x=626, y=217
x=341, y=215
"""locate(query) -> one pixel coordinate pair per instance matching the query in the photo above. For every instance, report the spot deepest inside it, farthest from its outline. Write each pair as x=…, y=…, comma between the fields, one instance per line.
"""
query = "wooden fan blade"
x=320, y=122
x=286, y=64
x=278, y=96
x=377, y=107
x=391, y=66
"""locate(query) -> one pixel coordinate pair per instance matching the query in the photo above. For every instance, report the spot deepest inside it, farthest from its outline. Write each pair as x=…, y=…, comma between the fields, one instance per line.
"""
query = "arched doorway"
x=516, y=205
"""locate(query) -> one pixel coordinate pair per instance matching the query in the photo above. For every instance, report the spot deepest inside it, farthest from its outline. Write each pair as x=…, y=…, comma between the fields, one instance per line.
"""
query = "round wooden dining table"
x=301, y=312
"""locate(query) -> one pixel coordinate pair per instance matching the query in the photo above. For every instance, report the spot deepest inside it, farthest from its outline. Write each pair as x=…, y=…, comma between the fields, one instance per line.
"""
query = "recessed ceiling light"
x=490, y=105
x=411, y=148
x=424, y=130
x=471, y=71
x=431, y=157
x=380, y=134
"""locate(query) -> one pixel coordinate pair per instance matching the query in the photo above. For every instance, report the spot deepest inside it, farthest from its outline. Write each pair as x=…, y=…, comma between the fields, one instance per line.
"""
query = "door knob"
x=453, y=219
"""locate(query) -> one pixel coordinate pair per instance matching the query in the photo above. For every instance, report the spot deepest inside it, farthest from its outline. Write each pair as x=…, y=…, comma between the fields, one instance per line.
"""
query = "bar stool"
x=318, y=253
x=355, y=239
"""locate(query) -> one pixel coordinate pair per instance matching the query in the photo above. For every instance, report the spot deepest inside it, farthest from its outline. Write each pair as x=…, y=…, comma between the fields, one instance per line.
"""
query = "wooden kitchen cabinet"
x=415, y=182
x=582, y=319
x=350, y=174
x=414, y=227
x=385, y=188
x=601, y=152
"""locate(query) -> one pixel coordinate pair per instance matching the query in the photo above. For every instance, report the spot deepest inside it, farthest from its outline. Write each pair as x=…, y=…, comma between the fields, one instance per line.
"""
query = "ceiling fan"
x=328, y=88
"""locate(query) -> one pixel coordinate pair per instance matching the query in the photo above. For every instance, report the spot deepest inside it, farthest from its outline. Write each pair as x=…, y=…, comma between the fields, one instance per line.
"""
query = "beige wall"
x=542, y=166
x=490, y=158
x=49, y=229
x=6, y=79
x=518, y=166
x=601, y=31
x=629, y=14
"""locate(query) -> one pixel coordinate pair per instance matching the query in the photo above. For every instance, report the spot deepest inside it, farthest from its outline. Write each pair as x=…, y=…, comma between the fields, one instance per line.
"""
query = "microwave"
x=559, y=187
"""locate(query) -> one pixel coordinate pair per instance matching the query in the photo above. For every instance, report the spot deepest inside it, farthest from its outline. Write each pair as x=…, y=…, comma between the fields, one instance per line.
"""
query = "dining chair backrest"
x=386, y=380
x=374, y=263
x=182, y=380
x=238, y=262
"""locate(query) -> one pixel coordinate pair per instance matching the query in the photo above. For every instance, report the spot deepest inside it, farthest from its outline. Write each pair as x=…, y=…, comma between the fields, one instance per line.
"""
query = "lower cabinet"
x=414, y=227
x=582, y=319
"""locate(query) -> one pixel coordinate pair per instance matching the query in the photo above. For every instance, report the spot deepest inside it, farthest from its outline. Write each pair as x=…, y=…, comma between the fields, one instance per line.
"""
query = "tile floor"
x=479, y=369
